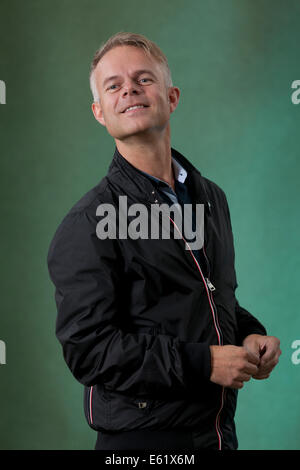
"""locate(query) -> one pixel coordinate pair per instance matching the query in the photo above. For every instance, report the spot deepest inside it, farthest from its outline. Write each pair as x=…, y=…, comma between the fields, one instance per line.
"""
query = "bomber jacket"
x=136, y=317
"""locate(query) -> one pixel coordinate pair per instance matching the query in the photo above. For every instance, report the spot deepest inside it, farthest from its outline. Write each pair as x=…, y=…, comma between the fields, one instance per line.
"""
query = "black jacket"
x=136, y=317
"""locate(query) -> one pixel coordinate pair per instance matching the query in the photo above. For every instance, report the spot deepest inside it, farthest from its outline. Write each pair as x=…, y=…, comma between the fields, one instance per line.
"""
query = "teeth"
x=134, y=107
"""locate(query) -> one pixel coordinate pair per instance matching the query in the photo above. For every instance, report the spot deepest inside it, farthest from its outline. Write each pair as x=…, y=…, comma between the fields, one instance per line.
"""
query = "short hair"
x=129, y=39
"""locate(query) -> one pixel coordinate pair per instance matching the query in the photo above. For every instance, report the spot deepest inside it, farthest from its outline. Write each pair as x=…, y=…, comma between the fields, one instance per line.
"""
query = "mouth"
x=134, y=108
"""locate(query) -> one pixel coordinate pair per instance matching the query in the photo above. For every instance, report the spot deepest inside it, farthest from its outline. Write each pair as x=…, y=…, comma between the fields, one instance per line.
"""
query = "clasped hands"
x=231, y=366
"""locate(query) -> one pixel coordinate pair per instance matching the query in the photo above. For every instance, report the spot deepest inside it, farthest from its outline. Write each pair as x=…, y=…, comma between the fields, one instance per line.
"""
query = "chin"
x=128, y=133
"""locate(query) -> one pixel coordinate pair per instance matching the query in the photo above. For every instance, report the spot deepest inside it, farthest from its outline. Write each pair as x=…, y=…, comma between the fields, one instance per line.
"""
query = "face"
x=134, y=98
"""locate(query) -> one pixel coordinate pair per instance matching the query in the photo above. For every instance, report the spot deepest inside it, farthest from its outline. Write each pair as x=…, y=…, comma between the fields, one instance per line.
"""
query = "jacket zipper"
x=209, y=287
x=212, y=288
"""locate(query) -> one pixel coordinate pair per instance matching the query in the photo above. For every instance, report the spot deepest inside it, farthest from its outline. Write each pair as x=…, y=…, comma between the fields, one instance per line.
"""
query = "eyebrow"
x=135, y=74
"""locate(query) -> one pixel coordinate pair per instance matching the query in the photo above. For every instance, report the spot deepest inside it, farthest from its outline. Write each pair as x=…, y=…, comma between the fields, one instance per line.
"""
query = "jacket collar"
x=143, y=188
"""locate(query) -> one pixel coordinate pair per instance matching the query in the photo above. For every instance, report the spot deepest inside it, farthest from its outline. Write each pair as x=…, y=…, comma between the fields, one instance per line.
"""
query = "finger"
x=262, y=350
x=267, y=368
x=268, y=355
x=271, y=348
x=250, y=369
x=244, y=377
x=269, y=364
x=253, y=358
x=261, y=377
x=237, y=384
x=261, y=374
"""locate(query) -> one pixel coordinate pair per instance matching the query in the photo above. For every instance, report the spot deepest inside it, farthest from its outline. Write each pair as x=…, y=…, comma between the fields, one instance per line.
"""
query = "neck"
x=153, y=156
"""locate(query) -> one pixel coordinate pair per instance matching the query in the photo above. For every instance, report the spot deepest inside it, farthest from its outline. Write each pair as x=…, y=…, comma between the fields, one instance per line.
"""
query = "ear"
x=98, y=113
x=173, y=95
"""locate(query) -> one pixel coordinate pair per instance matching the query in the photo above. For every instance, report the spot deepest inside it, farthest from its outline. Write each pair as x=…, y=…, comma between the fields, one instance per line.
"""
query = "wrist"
x=254, y=337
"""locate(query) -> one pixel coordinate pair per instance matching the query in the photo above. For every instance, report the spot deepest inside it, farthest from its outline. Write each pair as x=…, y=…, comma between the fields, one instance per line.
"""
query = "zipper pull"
x=210, y=285
x=142, y=404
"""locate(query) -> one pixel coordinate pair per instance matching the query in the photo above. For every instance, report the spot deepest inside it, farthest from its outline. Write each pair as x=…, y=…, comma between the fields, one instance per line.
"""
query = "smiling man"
x=133, y=100
x=150, y=326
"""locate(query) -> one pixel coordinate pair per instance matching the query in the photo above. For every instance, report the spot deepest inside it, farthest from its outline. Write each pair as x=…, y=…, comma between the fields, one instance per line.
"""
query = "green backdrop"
x=235, y=62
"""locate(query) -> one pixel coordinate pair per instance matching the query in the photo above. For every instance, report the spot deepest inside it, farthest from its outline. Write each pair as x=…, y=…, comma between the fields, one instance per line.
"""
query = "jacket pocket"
x=130, y=413
x=97, y=407
x=109, y=410
x=113, y=411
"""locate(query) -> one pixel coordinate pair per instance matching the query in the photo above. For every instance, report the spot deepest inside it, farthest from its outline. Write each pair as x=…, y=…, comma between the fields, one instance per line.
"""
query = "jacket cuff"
x=196, y=362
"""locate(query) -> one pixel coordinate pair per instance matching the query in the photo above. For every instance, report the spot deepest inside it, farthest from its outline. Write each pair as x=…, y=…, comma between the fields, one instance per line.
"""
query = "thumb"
x=254, y=358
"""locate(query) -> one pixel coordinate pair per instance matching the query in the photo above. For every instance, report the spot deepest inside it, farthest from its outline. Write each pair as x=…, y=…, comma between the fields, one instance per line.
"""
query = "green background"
x=234, y=61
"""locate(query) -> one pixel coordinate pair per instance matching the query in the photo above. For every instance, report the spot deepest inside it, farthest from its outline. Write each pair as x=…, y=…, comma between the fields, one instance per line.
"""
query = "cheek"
x=109, y=112
x=164, y=105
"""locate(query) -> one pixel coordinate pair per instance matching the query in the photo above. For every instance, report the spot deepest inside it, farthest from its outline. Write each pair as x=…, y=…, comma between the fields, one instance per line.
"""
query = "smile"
x=134, y=108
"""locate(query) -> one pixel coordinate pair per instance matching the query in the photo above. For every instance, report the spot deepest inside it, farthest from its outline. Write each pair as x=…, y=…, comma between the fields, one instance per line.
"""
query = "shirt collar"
x=180, y=173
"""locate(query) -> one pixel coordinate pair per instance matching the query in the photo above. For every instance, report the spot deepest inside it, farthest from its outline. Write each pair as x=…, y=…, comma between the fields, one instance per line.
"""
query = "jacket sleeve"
x=87, y=273
x=247, y=324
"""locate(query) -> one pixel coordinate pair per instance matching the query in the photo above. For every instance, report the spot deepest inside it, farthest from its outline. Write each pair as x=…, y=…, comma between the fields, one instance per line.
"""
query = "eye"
x=145, y=80
x=112, y=87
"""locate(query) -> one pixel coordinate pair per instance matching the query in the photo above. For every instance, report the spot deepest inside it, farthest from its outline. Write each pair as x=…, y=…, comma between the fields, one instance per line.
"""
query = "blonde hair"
x=129, y=39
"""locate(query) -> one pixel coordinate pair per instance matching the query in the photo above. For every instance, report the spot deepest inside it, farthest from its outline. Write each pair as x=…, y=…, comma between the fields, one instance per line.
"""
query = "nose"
x=130, y=88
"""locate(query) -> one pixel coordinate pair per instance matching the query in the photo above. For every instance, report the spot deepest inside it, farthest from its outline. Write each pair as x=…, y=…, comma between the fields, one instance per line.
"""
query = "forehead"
x=126, y=60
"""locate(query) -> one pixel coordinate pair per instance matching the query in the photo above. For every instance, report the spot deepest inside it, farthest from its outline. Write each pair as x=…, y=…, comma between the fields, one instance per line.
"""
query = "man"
x=150, y=326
